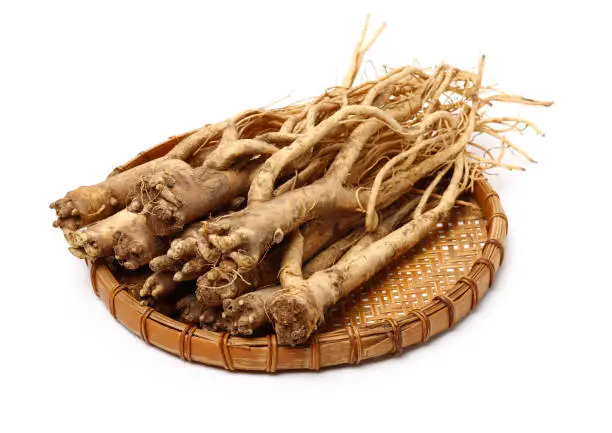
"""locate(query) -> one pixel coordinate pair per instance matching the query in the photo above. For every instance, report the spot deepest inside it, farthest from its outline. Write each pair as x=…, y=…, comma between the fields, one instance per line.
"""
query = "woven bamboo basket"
x=423, y=294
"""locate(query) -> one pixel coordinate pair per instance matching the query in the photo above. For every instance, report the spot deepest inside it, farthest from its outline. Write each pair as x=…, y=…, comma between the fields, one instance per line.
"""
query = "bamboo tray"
x=421, y=295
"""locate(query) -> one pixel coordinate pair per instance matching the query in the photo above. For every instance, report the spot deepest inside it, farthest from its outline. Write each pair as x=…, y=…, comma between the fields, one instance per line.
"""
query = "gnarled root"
x=137, y=246
x=124, y=235
x=84, y=205
x=99, y=239
x=189, y=256
x=171, y=199
x=188, y=244
x=247, y=313
x=88, y=204
x=225, y=282
x=244, y=237
x=228, y=281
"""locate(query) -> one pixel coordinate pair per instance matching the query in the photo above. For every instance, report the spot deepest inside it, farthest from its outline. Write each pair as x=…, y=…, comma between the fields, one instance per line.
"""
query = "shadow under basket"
x=421, y=295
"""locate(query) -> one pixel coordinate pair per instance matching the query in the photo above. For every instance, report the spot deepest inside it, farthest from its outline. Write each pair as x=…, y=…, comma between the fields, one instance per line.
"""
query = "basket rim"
x=350, y=345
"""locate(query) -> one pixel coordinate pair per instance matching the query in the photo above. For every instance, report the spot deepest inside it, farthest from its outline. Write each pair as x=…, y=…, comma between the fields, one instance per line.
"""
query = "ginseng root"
x=88, y=204
x=247, y=313
x=123, y=235
x=227, y=281
x=169, y=200
x=297, y=310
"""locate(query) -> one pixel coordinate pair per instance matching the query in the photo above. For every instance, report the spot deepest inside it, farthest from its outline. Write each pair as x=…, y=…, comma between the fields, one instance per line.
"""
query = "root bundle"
x=265, y=220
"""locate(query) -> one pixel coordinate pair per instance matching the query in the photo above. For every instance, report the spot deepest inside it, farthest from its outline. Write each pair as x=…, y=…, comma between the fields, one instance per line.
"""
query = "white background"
x=85, y=86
